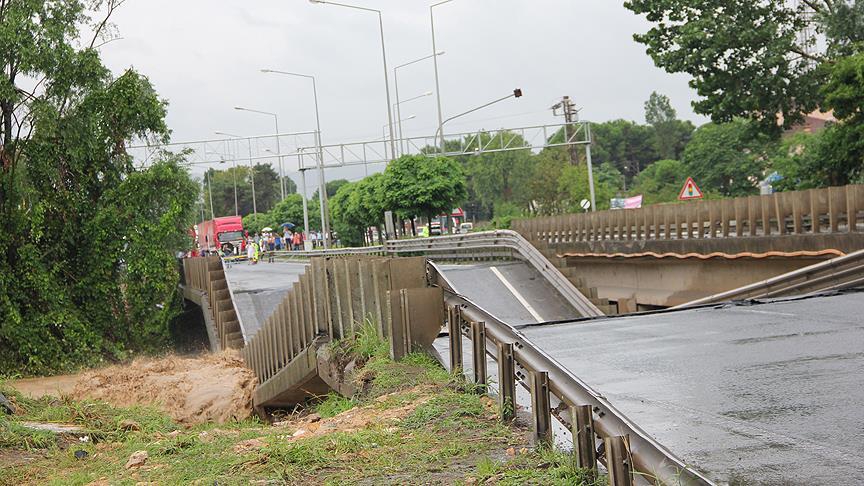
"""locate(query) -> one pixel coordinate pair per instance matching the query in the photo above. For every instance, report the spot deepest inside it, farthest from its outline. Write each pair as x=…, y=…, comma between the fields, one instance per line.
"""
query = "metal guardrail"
x=649, y=459
x=487, y=244
x=837, y=273
x=814, y=211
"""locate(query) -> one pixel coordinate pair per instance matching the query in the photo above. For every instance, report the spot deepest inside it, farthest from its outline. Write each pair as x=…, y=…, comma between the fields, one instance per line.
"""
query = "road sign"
x=690, y=191
x=585, y=204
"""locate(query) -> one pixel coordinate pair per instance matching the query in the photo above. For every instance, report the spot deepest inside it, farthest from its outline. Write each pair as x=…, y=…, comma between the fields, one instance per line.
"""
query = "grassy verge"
x=415, y=424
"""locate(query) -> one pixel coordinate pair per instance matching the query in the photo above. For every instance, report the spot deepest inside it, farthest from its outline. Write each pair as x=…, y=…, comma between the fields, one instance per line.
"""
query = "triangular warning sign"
x=690, y=191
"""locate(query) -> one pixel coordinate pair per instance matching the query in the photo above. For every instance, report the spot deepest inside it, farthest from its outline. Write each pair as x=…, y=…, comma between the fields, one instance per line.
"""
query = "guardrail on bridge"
x=473, y=246
x=810, y=212
x=628, y=449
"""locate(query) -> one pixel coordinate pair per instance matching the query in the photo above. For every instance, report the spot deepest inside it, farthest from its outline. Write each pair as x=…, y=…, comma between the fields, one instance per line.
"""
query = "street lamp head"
x=266, y=70
x=517, y=93
x=239, y=108
x=428, y=93
x=317, y=1
x=439, y=53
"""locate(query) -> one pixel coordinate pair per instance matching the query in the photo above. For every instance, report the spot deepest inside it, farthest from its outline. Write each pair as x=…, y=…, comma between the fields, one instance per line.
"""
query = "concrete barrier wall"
x=810, y=212
x=334, y=298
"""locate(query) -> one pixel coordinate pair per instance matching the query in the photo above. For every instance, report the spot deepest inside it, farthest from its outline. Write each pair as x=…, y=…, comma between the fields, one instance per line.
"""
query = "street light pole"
x=517, y=93
x=435, y=61
x=384, y=57
x=210, y=191
x=396, y=85
x=322, y=182
x=278, y=146
x=398, y=107
x=251, y=170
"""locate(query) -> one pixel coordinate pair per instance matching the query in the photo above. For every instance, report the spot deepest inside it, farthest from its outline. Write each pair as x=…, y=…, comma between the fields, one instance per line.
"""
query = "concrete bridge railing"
x=205, y=284
x=810, y=212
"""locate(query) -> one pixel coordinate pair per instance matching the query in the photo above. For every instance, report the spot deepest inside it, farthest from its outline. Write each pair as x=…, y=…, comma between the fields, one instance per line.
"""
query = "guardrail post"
x=618, y=461
x=507, y=381
x=454, y=325
x=541, y=409
x=478, y=344
x=582, y=425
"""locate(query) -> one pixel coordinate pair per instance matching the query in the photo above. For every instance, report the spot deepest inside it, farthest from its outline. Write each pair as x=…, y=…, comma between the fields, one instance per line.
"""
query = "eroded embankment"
x=213, y=388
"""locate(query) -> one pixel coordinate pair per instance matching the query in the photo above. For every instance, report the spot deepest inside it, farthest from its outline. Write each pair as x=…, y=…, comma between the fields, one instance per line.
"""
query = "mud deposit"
x=207, y=389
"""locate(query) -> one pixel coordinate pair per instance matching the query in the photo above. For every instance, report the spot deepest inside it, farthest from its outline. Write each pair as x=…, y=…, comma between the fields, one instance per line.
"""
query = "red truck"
x=221, y=233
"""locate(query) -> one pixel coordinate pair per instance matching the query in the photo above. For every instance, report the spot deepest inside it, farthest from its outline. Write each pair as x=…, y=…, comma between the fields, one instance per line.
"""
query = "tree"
x=416, y=185
x=358, y=206
x=660, y=182
x=670, y=134
x=332, y=188
x=727, y=158
x=746, y=57
x=87, y=258
x=291, y=211
x=628, y=146
x=547, y=195
x=658, y=110
x=498, y=177
x=842, y=145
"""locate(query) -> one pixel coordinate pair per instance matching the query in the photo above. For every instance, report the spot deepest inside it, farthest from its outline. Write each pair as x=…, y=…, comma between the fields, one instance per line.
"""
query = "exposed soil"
x=209, y=388
x=212, y=388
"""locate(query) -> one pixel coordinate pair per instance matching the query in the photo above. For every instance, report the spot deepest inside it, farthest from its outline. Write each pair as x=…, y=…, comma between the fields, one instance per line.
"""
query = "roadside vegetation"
x=413, y=424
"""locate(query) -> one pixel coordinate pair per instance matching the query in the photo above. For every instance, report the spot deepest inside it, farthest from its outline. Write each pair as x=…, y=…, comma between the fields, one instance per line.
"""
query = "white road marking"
x=516, y=294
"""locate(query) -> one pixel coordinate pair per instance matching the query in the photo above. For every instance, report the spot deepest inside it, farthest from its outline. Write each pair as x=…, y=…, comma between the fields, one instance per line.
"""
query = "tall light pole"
x=435, y=61
x=322, y=182
x=517, y=93
x=251, y=170
x=384, y=57
x=210, y=191
x=396, y=85
x=398, y=107
x=278, y=145
x=234, y=172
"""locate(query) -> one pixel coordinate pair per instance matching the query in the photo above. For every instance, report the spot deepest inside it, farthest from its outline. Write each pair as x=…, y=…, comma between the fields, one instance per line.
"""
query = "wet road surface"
x=512, y=292
x=258, y=290
x=765, y=394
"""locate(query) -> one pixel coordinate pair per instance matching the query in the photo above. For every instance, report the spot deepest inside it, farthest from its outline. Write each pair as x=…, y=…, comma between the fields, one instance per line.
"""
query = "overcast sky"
x=205, y=57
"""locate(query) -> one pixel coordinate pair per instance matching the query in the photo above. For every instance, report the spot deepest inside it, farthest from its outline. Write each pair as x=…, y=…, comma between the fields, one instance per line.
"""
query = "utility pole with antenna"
x=571, y=115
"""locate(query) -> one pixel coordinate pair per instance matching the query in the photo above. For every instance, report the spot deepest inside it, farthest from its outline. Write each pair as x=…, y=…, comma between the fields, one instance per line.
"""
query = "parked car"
x=466, y=228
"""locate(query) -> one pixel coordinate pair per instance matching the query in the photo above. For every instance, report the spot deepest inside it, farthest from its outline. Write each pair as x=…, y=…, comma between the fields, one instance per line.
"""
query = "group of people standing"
x=256, y=246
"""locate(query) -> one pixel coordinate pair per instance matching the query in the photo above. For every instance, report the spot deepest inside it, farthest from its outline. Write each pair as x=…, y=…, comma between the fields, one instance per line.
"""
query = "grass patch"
x=333, y=404
x=427, y=427
x=541, y=467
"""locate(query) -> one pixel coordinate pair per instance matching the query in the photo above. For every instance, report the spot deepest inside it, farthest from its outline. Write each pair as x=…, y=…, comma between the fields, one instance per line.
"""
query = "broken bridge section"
x=332, y=299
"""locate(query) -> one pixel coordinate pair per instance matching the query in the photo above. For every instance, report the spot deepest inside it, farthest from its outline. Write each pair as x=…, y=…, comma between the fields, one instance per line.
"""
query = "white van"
x=466, y=228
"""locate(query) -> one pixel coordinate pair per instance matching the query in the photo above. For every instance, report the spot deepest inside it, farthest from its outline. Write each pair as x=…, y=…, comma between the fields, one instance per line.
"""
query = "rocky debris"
x=129, y=426
x=60, y=429
x=249, y=445
x=137, y=459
